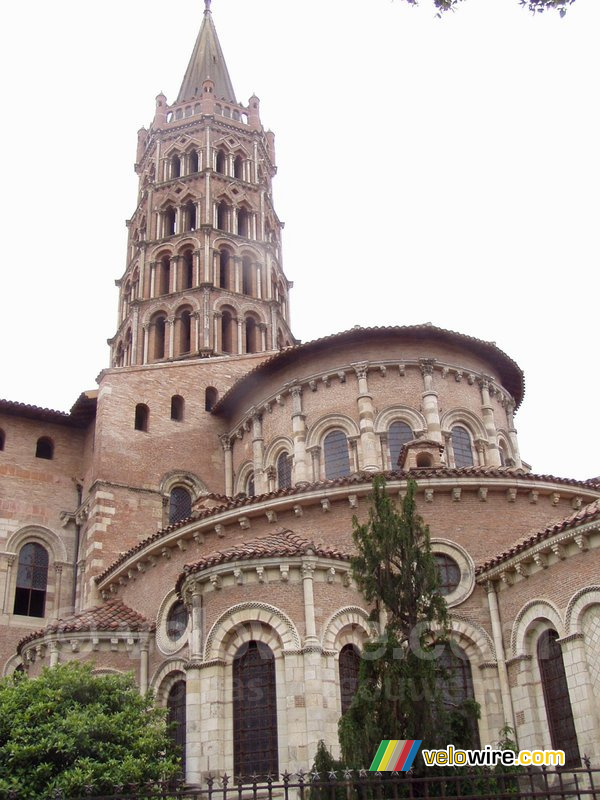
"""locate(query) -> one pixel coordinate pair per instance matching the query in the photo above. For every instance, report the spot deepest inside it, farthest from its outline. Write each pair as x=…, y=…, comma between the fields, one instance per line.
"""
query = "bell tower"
x=203, y=273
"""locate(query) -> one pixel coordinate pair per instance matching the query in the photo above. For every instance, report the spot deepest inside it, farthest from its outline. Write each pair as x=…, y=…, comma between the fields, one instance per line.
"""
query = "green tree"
x=399, y=693
x=69, y=729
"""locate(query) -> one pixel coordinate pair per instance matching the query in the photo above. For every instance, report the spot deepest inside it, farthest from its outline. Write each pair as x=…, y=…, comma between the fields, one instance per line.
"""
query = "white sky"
x=429, y=170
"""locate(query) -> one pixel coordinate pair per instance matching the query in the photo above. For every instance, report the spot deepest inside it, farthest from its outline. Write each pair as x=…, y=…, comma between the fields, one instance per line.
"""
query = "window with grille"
x=556, y=698
x=457, y=687
x=449, y=573
x=177, y=620
x=254, y=711
x=337, y=458
x=399, y=434
x=284, y=471
x=176, y=717
x=180, y=504
x=461, y=444
x=32, y=581
x=348, y=666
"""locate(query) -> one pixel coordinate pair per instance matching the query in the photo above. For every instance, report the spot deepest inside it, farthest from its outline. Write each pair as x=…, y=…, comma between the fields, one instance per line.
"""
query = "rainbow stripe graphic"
x=395, y=755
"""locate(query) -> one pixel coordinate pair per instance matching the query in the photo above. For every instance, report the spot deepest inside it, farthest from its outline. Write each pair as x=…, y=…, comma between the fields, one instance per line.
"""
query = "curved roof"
x=113, y=615
x=588, y=513
x=511, y=375
x=280, y=544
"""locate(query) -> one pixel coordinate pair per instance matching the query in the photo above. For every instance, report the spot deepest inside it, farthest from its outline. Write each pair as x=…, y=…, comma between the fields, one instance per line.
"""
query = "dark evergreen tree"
x=399, y=693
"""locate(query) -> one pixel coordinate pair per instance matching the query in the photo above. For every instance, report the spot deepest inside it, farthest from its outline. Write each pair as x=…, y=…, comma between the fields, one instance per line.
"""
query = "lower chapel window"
x=457, y=688
x=254, y=711
x=32, y=581
x=349, y=666
x=176, y=717
x=556, y=698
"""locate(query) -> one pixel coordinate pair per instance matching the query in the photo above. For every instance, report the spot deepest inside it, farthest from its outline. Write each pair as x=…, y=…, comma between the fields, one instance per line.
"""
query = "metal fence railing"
x=482, y=784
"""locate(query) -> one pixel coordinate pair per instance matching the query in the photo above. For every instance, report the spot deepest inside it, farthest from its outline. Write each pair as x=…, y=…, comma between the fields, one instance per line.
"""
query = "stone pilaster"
x=366, y=416
x=299, y=436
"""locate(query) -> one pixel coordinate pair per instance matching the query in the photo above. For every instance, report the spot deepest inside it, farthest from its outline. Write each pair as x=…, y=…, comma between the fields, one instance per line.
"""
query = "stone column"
x=174, y=277
x=308, y=568
x=494, y=610
x=259, y=292
x=197, y=632
x=263, y=336
x=145, y=327
x=10, y=560
x=581, y=693
x=258, y=454
x=237, y=277
x=385, y=452
x=487, y=411
x=206, y=318
x=366, y=415
x=354, y=459
x=431, y=409
x=196, y=268
x=58, y=571
x=512, y=434
x=153, y=279
x=240, y=337
x=217, y=344
x=315, y=461
x=228, y=452
x=170, y=334
x=448, y=449
x=54, y=648
x=300, y=476
x=144, y=667
x=196, y=334
x=134, y=355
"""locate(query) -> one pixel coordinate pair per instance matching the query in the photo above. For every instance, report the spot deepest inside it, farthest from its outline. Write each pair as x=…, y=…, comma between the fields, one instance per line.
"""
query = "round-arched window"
x=449, y=573
x=177, y=620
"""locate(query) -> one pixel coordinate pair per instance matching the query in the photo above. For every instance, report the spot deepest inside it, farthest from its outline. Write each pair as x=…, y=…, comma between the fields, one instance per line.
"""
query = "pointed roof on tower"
x=207, y=61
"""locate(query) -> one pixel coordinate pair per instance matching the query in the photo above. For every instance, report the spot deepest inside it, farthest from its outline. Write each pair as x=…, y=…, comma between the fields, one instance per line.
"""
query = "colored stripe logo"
x=395, y=755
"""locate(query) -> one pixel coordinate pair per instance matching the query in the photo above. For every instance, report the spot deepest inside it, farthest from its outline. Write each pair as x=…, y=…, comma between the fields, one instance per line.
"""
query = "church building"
x=190, y=519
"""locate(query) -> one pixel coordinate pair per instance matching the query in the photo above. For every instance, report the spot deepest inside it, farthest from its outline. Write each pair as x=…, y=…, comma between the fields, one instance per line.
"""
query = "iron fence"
x=531, y=783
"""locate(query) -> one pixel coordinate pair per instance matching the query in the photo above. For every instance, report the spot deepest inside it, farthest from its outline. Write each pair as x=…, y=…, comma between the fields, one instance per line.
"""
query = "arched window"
x=252, y=336
x=349, y=666
x=457, y=689
x=247, y=276
x=227, y=332
x=158, y=332
x=461, y=444
x=250, y=490
x=142, y=415
x=183, y=324
x=337, y=459
x=44, y=448
x=449, y=573
x=32, y=581
x=193, y=161
x=2, y=439
x=187, y=272
x=238, y=168
x=243, y=222
x=224, y=276
x=175, y=166
x=169, y=221
x=164, y=276
x=254, y=711
x=177, y=407
x=177, y=621
x=399, y=434
x=180, y=504
x=284, y=471
x=190, y=216
x=222, y=215
x=176, y=717
x=221, y=162
x=210, y=398
x=556, y=698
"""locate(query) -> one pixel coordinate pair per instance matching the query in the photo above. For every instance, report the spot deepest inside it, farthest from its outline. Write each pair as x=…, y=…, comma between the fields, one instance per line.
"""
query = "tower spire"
x=207, y=61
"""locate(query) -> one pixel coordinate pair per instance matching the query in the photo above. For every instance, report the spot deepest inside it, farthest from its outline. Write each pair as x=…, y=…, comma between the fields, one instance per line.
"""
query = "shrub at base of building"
x=69, y=730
